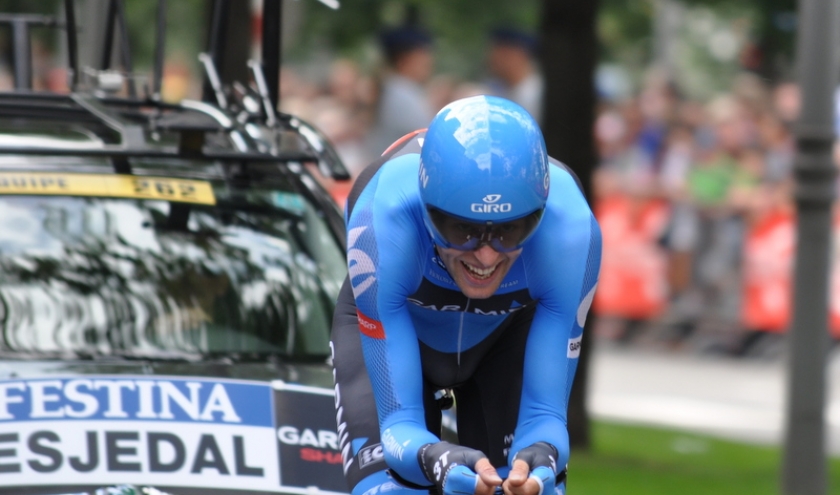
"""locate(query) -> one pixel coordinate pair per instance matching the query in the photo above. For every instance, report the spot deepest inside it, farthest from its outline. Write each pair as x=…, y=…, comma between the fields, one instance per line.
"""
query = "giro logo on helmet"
x=490, y=205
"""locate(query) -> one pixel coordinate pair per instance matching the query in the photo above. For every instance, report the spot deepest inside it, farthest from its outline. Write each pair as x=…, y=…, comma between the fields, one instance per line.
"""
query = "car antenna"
x=262, y=90
x=271, y=33
x=213, y=79
x=72, y=45
x=271, y=45
x=212, y=58
x=115, y=18
x=157, y=81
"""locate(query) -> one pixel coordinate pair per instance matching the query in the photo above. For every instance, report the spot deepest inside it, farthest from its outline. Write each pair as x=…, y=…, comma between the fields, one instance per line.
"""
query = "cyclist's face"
x=478, y=273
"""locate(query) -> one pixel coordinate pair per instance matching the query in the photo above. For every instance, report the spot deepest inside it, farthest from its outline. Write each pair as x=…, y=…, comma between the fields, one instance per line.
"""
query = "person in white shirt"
x=403, y=105
x=511, y=62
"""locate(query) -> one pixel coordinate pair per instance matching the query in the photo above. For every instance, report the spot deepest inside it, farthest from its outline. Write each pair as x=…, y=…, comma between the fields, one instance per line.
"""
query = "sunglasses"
x=454, y=232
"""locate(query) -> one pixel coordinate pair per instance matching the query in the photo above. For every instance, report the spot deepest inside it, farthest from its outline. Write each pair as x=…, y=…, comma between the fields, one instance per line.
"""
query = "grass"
x=631, y=460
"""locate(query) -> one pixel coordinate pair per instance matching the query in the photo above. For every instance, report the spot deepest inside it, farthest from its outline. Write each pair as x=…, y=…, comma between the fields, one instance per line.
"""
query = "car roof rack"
x=128, y=122
x=129, y=119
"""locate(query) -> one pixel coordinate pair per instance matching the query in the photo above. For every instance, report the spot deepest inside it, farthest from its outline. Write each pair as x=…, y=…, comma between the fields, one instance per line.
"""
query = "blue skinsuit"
x=409, y=308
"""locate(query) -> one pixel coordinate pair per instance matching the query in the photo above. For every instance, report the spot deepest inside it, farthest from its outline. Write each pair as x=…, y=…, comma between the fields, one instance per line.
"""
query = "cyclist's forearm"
x=401, y=442
x=547, y=429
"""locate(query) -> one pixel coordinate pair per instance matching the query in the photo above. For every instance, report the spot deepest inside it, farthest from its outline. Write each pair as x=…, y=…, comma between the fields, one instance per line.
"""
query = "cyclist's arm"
x=563, y=268
x=394, y=367
x=387, y=239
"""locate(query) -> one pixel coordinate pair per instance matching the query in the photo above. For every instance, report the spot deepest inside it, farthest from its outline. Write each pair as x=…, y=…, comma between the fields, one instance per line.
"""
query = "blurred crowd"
x=694, y=197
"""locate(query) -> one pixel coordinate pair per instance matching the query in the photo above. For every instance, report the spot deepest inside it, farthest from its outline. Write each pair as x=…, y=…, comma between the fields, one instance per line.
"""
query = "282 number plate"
x=190, y=191
x=103, y=185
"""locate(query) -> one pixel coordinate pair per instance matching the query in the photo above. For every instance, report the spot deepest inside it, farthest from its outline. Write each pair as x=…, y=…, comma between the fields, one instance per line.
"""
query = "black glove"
x=537, y=455
x=542, y=464
x=450, y=467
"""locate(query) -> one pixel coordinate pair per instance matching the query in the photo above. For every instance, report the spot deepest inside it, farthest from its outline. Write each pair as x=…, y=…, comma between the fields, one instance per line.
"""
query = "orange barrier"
x=769, y=258
x=633, y=282
x=768, y=253
x=834, y=281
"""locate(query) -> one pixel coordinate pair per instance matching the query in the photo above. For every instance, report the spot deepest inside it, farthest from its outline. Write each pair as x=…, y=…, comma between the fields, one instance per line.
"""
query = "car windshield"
x=245, y=265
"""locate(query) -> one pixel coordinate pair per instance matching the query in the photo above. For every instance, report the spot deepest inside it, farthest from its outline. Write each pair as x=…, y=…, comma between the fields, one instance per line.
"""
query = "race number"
x=188, y=191
x=109, y=186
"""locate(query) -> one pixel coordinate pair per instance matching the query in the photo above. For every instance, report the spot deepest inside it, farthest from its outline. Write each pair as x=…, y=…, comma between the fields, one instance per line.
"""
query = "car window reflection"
x=108, y=276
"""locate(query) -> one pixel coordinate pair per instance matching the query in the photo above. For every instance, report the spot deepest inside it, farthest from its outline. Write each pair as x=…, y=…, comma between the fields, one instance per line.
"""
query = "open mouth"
x=480, y=273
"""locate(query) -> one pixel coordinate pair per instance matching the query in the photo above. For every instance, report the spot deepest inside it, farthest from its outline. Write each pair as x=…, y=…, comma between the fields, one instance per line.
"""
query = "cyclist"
x=468, y=273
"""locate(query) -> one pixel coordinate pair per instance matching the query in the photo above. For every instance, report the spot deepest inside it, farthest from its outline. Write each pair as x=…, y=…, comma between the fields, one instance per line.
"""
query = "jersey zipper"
x=461, y=329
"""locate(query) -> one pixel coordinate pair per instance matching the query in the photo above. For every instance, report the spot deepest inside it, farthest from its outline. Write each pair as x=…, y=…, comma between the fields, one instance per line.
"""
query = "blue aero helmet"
x=483, y=174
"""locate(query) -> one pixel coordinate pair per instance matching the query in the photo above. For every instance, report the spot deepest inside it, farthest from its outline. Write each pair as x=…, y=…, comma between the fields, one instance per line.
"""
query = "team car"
x=167, y=280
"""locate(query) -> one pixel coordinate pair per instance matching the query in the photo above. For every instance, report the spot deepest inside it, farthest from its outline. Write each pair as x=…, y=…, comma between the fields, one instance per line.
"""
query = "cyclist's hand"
x=533, y=472
x=521, y=481
x=488, y=478
x=457, y=470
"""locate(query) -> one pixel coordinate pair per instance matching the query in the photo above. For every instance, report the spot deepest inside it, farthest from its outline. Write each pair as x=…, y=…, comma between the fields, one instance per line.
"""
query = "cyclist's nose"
x=486, y=255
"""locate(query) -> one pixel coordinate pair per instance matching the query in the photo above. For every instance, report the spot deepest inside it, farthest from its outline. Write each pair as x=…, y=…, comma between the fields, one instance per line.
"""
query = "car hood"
x=180, y=427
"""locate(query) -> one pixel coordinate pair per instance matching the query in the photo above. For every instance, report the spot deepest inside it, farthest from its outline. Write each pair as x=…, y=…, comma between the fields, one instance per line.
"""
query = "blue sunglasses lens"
x=464, y=235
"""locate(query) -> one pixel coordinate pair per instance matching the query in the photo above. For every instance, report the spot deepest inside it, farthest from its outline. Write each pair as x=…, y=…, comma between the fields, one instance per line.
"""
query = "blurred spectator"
x=402, y=105
x=681, y=235
x=786, y=101
x=441, y=89
x=344, y=84
x=658, y=107
x=337, y=103
x=633, y=215
x=511, y=62
x=778, y=144
x=627, y=156
x=752, y=93
x=178, y=83
x=296, y=93
x=446, y=88
x=345, y=114
x=715, y=176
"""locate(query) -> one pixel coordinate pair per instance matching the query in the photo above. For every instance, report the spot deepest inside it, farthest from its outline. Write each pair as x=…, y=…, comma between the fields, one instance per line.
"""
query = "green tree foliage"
x=773, y=30
x=624, y=30
x=185, y=30
x=760, y=31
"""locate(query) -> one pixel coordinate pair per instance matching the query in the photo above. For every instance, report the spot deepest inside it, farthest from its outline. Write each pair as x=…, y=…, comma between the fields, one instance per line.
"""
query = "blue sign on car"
x=168, y=431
